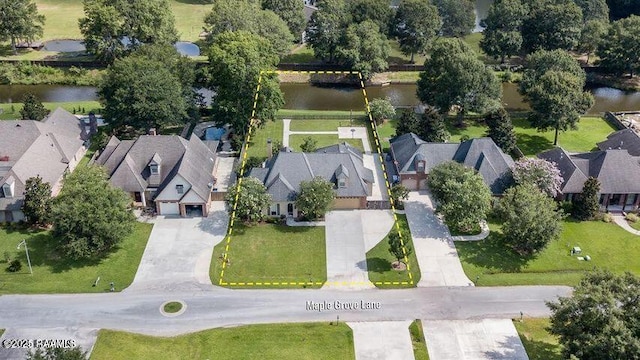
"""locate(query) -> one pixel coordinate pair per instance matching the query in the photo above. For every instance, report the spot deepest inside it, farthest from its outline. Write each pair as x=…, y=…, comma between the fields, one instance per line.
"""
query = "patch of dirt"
x=398, y=266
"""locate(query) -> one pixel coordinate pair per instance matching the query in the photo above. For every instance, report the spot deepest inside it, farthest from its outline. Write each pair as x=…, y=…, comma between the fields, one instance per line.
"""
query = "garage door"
x=346, y=203
x=410, y=184
x=167, y=208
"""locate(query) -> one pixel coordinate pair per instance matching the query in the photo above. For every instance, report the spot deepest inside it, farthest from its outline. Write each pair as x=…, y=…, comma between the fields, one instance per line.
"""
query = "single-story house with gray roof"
x=166, y=171
x=340, y=164
x=49, y=148
x=413, y=158
x=617, y=170
x=625, y=139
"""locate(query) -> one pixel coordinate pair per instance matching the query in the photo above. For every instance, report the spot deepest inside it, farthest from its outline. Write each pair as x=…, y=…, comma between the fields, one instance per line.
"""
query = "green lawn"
x=323, y=124
x=379, y=261
x=397, y=57
x=62, y=18
x=537, y=341
x=274, y=254
x=635, y=225
x=12, y=111
x=608, y=245
x=417, y=339
x=300, y=54
x=258, y=144
x=323, y=140
x=265, y=342
x=52, y=273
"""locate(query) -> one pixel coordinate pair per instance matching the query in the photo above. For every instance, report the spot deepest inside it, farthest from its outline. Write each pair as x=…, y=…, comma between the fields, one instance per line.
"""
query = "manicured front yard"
x=269, y=253
x=537, y=341
x=609, y=247
x=322, y=140
x=53, y=273
x=379, y=261
x=417, y=339
x=266, y=342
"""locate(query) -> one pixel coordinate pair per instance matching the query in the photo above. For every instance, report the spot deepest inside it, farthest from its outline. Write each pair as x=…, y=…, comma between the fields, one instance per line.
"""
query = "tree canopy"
x=32, y=108
x=89, y=216
x=500, y=129
x=458, y=17
x=431, y=126
x=112, y=28
x=377, y=11
x=502, y=33
x=416, y=22
x=619, y=51
x=37, y=201
x=325, y=29
x=594, y=10
x=315, y=197
x=364, y=48
x=381, y=109
x=252, y=200
x=291, y=11
x=587, y=204
x=20, y=20
x=591, y=36
x=552, y=24
x=543, y=174
x=600, y=318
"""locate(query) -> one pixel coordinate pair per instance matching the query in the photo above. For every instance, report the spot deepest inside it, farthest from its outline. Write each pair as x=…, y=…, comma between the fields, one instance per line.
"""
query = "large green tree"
x=20, y=20
x=326, y=27
x=416, y=22
x=147, y=91
x=458, y=18
x=407, y=122
x=381, y=110
x=37, y=201
x=252, y=199
x=454, y=76
x=552, y=24
x=89, y=216
x=32, y=108
x=543, y=174
x=236, y=60
x=619, y=51
x=600, y=318
x=315, y=197
x=463, y=197
x=377, y=11
x=594, y=10
x=501, y=36
x=247, y=15
x=291, y=11
x=587, y=204
x=364, y=48
x=501, y=129
x=591, y=36
x=431, y=126
x=112, y=28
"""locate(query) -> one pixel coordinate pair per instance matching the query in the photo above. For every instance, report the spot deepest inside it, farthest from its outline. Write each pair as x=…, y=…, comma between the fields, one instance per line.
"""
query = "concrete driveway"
x=178, y=254
x=349, y=235
x=435, y=250
x=473, y=340
x=382, y=340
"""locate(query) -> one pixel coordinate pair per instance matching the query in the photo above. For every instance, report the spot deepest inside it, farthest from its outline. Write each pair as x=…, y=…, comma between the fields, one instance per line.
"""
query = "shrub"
x=607, y=218
x=14, y=266
x=632, y=217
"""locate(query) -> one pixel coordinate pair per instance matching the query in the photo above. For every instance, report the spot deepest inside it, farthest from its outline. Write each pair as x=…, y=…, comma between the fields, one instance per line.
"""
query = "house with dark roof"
x=625, y=139
x=413, y=158
x=617, y=170
x=166, y=171
x=339, y=164
x=28, y=148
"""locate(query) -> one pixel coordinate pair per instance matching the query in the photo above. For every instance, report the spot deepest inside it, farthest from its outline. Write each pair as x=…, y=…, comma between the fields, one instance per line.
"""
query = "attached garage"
x=411, y=184
x=345, y=203
x=168, y=208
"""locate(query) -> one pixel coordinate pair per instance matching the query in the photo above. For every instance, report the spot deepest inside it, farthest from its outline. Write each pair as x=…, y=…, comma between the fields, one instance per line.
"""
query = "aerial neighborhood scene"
x=320, y=179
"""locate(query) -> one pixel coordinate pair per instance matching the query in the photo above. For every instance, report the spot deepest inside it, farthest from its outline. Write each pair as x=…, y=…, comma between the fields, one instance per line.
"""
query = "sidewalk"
x=622, y=222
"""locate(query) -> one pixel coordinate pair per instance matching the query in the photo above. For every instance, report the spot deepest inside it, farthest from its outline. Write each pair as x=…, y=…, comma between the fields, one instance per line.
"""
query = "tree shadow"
x=44, y=250
x=510, y=348
x=492, y=253
x=540, y=350
x=378, y=265
x=533, y=144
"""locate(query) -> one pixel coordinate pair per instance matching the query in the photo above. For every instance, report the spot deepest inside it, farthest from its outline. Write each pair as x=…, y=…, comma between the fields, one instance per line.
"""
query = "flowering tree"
x=539, y=172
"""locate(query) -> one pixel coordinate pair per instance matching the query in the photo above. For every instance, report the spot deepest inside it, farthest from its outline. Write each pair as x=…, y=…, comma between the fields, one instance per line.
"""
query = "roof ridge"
x=306, y=161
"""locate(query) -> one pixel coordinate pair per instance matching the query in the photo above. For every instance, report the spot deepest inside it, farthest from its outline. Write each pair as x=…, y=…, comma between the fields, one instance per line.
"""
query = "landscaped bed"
x=269, y=253
x=537, y=341
x=379, y=261
x=54, y=273
x=608, y=245
x=266, y=342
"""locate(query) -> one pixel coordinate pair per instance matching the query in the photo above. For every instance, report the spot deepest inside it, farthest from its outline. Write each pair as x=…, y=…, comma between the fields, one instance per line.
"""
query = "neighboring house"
x=617, y=170
x=168, y=171
x=625, y=139
x=413, y=158
x=28, y=148
x=340, y=164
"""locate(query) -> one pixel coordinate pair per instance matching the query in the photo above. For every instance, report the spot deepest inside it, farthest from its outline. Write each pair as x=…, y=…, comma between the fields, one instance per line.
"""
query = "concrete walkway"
x=434, y=248
x=82, y=337
x=359, y=133
x=484, y=233
x=473, y=340
x=622, y=222
x=224, y=173
x=179, y=250
x=379, y=189
x=382, y=340
x=349, y=235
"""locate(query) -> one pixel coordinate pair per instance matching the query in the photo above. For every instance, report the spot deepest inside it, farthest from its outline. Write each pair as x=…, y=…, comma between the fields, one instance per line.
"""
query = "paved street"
x=179, y=250
x=436, y=252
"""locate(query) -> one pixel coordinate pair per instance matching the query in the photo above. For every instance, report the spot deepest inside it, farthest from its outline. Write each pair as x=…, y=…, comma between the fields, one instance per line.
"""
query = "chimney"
x=4, y=158
x=152, y=132
x=269, y=148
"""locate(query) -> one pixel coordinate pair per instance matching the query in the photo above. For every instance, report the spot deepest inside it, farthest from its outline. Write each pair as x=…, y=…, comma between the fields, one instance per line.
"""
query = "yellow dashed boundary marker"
x=374, y=127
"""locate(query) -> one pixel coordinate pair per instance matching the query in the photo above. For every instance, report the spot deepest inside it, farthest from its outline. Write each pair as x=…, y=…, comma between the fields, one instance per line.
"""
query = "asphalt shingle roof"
x=626, y=139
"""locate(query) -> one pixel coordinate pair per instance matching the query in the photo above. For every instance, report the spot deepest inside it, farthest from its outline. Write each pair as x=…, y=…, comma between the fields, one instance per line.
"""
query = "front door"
x=290, y=209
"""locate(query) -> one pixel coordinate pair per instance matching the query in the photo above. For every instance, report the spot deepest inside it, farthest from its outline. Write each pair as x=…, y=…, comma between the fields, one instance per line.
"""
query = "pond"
x=481, y=10
x=184, y=48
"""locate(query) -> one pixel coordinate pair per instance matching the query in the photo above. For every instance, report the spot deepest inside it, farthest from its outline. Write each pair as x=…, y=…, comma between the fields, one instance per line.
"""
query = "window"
x=180, y=189
x=154, y=168
x=7, y=190
x=342, y=183
x=274, y=209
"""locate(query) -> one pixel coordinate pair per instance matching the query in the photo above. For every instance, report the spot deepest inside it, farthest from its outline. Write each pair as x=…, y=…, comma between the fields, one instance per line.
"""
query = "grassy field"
x=52, y=273
x=417, y=339
x=537, y=341
x=379, y=260
x=12, y=111
x=258, y=144
x=273, y=253
x=322, y=124
x=266, y=342
x=62, y=18
x=300, y=54
x=497, y=265
x=323, y=140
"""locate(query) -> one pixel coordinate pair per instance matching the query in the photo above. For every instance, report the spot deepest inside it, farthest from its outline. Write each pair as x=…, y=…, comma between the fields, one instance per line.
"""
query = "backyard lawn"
x=379, y=261
x=268, y=253
x=53, y=273
x=258, y=144
x=12, y=111
x=266, y=342
x=608, y=245
x=323, y=140
x=537, y=341
x=324, y=124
